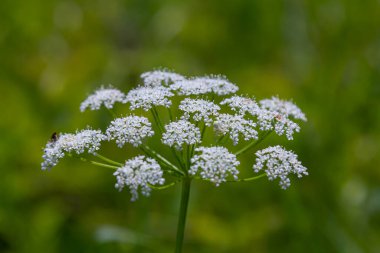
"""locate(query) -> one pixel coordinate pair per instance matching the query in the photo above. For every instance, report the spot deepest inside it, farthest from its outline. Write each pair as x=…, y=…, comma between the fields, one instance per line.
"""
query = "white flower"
x=277, y=114
x=200, y=109
x=181, y=132
x=103, y=96
x=147, y=97
x=131, y=129
x=190, y=87
x=138, y=173
x=79, y=142
x=242, y=105
x=283, y=108
x=202, y=85
x=279, y=163
x=214, y=164
x=219, y=84
x=235, y=125
x=160, y=77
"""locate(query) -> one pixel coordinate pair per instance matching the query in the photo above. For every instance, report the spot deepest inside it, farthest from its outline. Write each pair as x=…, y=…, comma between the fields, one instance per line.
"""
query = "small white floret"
x=242, y=105
x=161, y=77
x=279, y=163
x=181, y=132
x=131, y=129
x=279, y=114
x=234, y=126
x=199, y=109
x=139, y=173
x=79, y=142
x=203, y=85
x=214, y=164
x=107, y=97
x=148, y=97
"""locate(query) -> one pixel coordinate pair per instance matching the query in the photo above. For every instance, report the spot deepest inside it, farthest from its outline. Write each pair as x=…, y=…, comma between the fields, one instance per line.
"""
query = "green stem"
x=252, y=144
x=100, y=164
x=157, y=118
x=220, y=139
x=153, y=153
x=108, y=160
x=247, y=179
x=170, y=114
x=111, y=112
x=162, y=187
x=203, y=130
x=253, y=178
x=104, y=165
x=182, y=213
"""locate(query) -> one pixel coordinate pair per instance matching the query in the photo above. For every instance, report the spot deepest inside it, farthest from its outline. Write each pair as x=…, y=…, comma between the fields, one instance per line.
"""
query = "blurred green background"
x=323, y=54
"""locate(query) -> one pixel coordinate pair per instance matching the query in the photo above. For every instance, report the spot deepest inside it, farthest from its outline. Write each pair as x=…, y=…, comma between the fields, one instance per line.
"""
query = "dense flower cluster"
x=181, y=132
x=147, y=97
x=203, y=85
x=233, y=116
x=131, y=129
x=242, y=105
x=139, y=173
x=160, y=77
x=214, y=164
x=199, y=109
x=279, y=163
x=277, y=115
x=66, y=143
x=235, y=125
x=107, y=97
x=283, y=108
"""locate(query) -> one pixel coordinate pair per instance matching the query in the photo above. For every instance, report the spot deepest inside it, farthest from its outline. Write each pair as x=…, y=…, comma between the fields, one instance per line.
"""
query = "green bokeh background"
x=323, y=54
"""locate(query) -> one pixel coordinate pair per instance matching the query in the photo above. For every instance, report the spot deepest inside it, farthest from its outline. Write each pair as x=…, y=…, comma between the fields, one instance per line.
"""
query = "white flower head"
x=190, y=87
x=278, y=114
x=219, y=84
x=214, y=164
x=283, y=108
x=242, y=105
x=235, y=125
x=202, y=85
x=131, y=129
x=181, y=132
x=138, y=173
x=279, y=163
x=147, y=97
x=108, y=97
x=199, y=109
x=160, y=77
x=66, y=143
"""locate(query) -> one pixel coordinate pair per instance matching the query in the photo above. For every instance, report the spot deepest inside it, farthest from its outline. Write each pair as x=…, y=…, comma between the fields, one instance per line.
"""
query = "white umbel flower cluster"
x=283, y=108
x=278, y=114
x=139, y=173
x=181, y=132
x=279, y=163
x=235, y=125
x=199, y=110
x=160, y=77
x=214, y=164
x=131, y=129
x=146, y=97
x=242, y=105
x=202, y=85
x=79, y=142
x=107, y=97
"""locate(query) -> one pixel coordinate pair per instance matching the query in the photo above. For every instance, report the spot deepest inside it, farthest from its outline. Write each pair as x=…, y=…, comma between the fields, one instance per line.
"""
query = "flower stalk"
x=185, y=194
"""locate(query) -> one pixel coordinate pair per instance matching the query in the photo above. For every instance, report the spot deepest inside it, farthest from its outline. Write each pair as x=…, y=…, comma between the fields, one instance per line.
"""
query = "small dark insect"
x=54, y=137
